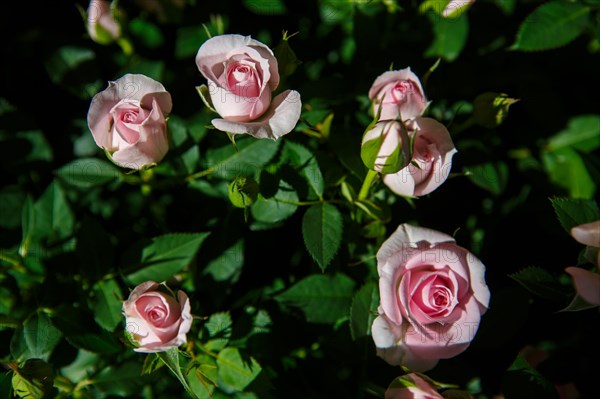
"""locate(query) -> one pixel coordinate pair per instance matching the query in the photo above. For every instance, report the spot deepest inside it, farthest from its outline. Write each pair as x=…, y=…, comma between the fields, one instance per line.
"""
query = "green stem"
x=364, y=190
x=200, y=174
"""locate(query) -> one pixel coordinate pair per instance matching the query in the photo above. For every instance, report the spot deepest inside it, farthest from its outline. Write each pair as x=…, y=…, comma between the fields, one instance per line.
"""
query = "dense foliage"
x=274, y=239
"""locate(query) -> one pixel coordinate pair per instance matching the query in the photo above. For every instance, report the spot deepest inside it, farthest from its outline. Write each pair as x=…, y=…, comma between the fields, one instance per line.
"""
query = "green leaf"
x=146, y=32
x=566, y=169
x=551, y=25
x=278, y=208
x=521, y=381
x=88, y=172
x=364, y=310
x=573, y=212
x=5, y=386
x=234, y=371
x=171, y=360
x=33, y=379
x=204, y=94
x=166, y=256
x=540, y=282
x=266, y=7
x=228, y=265
x=492, y=177
x=219, y=325
x=582, y=132
x=12, y=200
x=124, y=380
x=189, y=39
x=322, y=298
x=305, y=162
x=107, y=304
x=322, y=230
x=27, y=226
x=252, y=154
x=450, y=36
x=41, y=337
x=53, y=215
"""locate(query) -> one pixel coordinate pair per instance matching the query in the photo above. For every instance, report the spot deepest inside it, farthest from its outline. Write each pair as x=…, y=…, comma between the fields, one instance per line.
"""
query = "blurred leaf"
x=507, y=6
x=201, y=378
x=364, y=310
x=39, y=337
x=88, y=172
x=75, y=68
x=252, y=154
x=83, y=366
x=123, y=380
x=27, y=226
x=450, y=36
x=592, y=164
x=5, y=386
x=278, y=208
x=236, y=372
x=146, y=32
x=219, y=325
x=551, y=25
x=266, y=7
x=286, y=58
x=189, y=39
x=166, y=256
x=53, y=218
x=573, y=212
x=322, y=231
x=522, y=381
x=228, y=265
x=582, y=132
x=322, y=298
x=492, y=177
x=82, y=332
x=107, y=304
x=490, y=109
x=541, y=283
x=578, y=304
x=305, y=162
x=33, y=379
x=567, y=170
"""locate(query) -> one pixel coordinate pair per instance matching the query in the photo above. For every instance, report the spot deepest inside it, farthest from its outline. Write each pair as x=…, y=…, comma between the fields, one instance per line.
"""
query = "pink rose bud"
x=587, y=284
x=155, y=319
x=398, y=94
x=386, y=147
x=102, y=26
x=128, y=121
x=456, y=7
x=411, y=386
x=587, y=234
x=432, y=294
x=431, y=159
x=242, y=74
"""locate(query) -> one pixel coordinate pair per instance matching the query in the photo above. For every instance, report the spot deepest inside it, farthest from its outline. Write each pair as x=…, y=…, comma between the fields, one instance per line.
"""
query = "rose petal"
x=234, y=108
x=402, y=182
x=278, y=120
x=587, y=234
x=586, y=283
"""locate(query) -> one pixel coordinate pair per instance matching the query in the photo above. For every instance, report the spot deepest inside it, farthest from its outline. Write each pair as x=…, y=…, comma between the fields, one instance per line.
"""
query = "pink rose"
x=155, y=320
x=128, y=121
x=432, y=152
x=432, y=293
x=399, y=94
x=587, y=284
x=411, y=386
x=386, y=147
x=456, y=7
x=102, y=26
x=242, y=74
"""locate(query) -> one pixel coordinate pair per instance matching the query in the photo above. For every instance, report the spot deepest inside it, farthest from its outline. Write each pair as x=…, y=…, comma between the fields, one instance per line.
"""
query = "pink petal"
x=402, y=182
x=234, y=108
x=279, y=120
x=586, y=283
x=587, y=234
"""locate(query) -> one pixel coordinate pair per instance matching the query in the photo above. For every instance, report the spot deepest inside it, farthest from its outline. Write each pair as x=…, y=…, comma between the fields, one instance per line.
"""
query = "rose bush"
x=242, y=75
x=128, y=120
x=155, y=319
x=432, y=153
x=432, y=293
x=398, y=94
x=102, y=26
x=411, y=386
x=386, y=147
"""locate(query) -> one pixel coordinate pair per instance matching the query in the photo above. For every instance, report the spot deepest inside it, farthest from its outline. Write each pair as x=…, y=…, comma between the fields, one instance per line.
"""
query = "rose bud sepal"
x=386, y=147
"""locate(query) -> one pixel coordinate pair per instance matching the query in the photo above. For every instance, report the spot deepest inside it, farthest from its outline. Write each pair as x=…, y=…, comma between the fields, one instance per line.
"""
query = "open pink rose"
x=155, y=320
x=242, y=75
x=399, y=94
x=386, y=147
x=432, y=294
x=432, y=153
x=102, y=26
x=128, y=120
x=411, y=386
